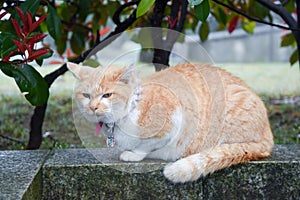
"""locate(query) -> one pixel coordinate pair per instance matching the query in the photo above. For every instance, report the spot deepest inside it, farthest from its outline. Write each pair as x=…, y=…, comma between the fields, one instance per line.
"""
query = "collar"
x=110, y=140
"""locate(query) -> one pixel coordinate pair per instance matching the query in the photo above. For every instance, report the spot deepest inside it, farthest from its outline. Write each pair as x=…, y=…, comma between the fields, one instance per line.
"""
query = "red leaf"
x=104, y=31
x=36, y=38
x=55, y=62
x=6, y=58
x=29, y=21
x=172, y=22
x=3, y=14
x=70, y=54
x=20, y=46
x=38, y=53
x=38, y=22
x=233, y=24
x=23, y=18
x=17, y=27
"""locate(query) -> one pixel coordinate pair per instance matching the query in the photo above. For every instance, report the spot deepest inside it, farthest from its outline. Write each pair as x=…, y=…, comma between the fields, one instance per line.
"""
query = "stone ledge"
x=81, y=174
x=77, y=174
x=20, y=174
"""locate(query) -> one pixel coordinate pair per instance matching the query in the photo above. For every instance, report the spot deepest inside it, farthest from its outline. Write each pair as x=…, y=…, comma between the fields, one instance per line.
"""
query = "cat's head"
x=103, y=94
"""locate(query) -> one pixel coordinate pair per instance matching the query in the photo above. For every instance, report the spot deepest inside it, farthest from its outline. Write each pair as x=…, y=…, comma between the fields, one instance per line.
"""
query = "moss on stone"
x=81, y=174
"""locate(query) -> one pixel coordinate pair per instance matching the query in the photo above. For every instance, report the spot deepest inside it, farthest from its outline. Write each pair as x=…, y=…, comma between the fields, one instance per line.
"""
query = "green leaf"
x=288, y=40
x=91, y=63
x=29, y=81
x=30, y=6
x=223, y=16
x=61, y=42
x=64, y=10
x=40, y=59
x=258, y=10
x=290, y=6
x=112, y=7
x=6, y=43
x=204, y=31
x=96, y=19
x=202, y=10
x=7, y=26
x=78, y=40
x=143, y=7
x=248, y=26
x=294, y=57
x=84, y=10
x=53, y=23
x=144, y=37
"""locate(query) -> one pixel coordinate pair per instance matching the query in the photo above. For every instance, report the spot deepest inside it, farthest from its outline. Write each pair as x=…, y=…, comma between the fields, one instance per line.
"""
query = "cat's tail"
x=194, y=166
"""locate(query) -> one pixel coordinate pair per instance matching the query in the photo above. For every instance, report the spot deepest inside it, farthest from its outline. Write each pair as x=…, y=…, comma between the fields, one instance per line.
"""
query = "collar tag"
x=110, y=141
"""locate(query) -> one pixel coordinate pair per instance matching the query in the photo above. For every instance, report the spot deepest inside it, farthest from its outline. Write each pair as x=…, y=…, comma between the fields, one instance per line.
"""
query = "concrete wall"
x=262, y=46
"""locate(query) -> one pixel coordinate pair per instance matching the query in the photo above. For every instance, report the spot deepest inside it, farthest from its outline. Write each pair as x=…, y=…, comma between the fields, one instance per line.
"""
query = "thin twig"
x=282, y=12
x=12, y=139
x=256, y=19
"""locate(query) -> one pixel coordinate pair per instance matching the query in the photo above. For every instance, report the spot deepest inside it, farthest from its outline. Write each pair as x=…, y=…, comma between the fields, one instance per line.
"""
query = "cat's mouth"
x=98, y=128
x=109, y=127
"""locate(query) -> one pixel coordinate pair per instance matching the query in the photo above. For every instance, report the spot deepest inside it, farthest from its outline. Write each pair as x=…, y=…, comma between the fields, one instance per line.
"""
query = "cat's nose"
x=93, y=106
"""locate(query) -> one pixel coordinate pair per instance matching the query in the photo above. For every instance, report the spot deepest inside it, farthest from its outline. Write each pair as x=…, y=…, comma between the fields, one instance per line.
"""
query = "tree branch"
x=257, y=19
x=182, y=15
x=282, y=12
x=283, y=3
x=116, y=17
x=172, y=36
x=159, y=55
x=163, y=47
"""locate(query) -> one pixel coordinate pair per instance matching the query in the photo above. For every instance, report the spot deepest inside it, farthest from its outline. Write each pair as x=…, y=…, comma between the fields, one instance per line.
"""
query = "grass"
x=273, y=81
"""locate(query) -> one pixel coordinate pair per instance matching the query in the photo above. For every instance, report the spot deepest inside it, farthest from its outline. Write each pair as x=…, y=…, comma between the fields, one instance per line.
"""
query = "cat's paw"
x=177, y=172
x=183, y=171
x=132, y=156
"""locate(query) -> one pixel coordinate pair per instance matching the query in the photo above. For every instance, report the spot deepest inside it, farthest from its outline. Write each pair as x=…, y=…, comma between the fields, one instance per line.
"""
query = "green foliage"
x=248, y=26
x=29, y=81
x=21, y=42
x=53, y=23
x=15, y=112
x=294, y=57
x=204, y=31
x=202, y=10
x=30, y=6
x=77, y=25
x=143, y=7
x=284, y=121
x=288, y=40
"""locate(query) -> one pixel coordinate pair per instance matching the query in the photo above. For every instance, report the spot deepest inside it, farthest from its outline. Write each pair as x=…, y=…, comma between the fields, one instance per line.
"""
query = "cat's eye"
x=107, y=95
x=86, y=95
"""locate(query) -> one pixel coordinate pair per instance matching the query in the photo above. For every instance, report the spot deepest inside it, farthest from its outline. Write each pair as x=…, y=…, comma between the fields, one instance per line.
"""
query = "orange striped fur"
x=199, y=116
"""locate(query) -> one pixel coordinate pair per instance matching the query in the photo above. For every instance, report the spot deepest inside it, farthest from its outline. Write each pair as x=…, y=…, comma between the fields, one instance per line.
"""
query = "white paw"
x=132, y=156
x=177, y=172
x=183, y=171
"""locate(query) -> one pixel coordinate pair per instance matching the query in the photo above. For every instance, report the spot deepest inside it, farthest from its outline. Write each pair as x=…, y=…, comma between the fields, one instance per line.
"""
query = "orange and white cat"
x=197, y=115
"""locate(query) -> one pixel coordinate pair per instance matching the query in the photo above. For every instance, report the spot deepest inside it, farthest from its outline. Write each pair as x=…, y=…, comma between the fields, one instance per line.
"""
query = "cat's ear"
x=74, y=69
x=130, y=75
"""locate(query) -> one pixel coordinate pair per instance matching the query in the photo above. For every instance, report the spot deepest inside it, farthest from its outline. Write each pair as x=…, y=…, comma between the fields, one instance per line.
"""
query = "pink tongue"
x=98, y=128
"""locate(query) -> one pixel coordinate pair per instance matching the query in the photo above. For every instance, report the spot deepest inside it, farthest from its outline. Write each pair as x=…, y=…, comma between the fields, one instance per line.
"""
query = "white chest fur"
x=126, y=136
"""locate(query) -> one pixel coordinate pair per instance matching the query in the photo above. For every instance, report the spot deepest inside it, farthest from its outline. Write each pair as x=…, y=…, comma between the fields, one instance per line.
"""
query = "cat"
x=197, y=115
